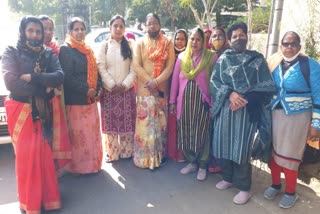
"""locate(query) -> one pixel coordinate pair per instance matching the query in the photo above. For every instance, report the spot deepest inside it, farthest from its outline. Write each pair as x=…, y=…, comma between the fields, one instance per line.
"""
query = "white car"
x=94, y=38
x=4, y=134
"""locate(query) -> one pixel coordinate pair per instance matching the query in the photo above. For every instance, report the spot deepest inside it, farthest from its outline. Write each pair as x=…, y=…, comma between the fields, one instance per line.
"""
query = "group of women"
x=218, y=99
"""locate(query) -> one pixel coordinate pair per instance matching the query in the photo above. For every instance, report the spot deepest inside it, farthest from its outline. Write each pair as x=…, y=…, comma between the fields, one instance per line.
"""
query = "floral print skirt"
x=150, y=135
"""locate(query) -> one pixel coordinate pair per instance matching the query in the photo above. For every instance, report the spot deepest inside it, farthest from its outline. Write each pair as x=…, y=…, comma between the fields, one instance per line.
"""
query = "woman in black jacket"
x=31, y=72
x=81, y=89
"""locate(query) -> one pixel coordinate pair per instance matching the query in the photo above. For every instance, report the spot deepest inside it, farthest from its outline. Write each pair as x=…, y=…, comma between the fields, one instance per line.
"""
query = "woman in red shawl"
x=61, y=147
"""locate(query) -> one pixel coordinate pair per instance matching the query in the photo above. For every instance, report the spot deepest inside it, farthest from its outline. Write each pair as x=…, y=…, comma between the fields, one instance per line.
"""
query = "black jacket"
x=74, y=65
x=16, y=62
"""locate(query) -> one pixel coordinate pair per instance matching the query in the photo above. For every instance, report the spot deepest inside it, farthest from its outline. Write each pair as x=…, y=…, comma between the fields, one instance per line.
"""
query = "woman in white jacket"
x=118, y=105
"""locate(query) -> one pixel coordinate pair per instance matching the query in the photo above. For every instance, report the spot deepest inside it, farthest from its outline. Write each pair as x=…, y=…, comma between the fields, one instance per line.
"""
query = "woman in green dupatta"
x=190, y=99
x=241, y=86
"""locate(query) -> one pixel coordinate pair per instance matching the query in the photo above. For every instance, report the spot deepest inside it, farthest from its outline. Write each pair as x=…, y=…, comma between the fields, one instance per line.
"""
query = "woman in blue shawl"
x=241, y=87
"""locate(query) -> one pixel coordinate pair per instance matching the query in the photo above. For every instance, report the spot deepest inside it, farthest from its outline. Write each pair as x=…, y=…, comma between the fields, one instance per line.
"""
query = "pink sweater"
x=179, y=82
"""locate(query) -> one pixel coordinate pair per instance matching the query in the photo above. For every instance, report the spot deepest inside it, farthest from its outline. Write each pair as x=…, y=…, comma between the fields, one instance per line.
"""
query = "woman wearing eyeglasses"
x=295, y=105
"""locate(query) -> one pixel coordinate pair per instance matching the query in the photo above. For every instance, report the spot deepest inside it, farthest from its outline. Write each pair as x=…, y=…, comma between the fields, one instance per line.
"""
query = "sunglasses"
x=292, y=44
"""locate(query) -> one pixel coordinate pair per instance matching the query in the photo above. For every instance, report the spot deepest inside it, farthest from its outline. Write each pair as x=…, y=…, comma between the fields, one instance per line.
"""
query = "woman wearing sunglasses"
x=295, y=105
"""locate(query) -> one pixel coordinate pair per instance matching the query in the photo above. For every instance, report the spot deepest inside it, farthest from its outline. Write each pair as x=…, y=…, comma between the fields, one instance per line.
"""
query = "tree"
x=206, y=14
x=215, y=7
x=260, y=17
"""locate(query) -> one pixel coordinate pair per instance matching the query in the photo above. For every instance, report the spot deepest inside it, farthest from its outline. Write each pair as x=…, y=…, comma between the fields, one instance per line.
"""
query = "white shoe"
x=188, y=169
x=223, y=185
x=242, y=197
x=202, y=174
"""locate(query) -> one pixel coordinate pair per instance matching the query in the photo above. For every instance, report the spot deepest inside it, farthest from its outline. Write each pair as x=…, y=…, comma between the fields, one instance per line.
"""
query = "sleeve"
x=11, y=75
x=129, y=80
x=219, y=91
x=71, y=79
x=54, y=76
x=167, y=70
x=175, y=82
x=107, y=80
x=315, y=92
x=137, y=63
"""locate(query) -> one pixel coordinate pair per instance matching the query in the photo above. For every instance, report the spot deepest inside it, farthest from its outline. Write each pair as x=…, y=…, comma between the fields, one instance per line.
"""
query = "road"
x=123, y=188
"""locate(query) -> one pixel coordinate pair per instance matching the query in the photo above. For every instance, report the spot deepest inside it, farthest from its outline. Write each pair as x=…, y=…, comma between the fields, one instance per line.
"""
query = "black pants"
x=238, y=174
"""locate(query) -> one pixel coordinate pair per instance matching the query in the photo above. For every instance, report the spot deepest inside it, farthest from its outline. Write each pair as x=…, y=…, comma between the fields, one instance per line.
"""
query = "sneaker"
x=188, y=169
x=202, y=174
x=270, y=193
x=242, y=197
x=223, y=185
x=288, y=201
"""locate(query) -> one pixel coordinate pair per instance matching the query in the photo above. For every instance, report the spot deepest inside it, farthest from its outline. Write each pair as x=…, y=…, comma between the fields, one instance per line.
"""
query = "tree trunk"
x=278, y=7
x=196, y=16
x=249, y=2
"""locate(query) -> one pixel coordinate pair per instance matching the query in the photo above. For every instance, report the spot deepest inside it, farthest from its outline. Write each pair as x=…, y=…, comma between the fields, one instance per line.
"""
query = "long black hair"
x=125, y=48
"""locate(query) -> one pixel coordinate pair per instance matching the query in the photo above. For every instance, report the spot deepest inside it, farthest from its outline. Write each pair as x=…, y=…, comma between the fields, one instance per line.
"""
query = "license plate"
x=3, y=118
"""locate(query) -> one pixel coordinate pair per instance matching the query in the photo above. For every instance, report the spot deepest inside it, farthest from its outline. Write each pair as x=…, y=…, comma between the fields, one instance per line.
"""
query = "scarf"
x=54, y=47
x=92, y=76
x=275, y=60
x=159, y=53
x=187, y=66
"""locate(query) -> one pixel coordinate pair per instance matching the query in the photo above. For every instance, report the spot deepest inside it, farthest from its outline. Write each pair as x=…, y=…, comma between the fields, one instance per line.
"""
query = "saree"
x=35, y=171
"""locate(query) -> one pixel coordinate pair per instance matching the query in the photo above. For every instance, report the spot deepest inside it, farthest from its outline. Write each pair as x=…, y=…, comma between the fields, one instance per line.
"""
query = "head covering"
x=206, y=61
x=130, y=35
x=207, y=30
x=27, y=44
x=207, y=38
x=41, y=108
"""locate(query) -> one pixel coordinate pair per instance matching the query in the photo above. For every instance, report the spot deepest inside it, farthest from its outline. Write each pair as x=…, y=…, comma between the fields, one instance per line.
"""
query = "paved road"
x=122, y=188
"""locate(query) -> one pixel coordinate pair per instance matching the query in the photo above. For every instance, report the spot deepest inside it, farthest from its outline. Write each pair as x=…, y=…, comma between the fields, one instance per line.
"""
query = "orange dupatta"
x=159, y=53
x=92, y=67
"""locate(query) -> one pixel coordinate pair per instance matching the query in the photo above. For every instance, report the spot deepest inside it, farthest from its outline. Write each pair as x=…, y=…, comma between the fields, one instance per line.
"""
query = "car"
x=94, y=38
x=4, y=134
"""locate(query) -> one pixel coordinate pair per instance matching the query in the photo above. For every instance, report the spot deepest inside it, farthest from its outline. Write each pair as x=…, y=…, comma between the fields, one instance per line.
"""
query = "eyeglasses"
x=152, y=24
x=292, y=44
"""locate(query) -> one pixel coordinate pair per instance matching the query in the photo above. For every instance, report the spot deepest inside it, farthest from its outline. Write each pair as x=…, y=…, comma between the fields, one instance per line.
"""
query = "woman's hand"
x=92, y=93
x=172, y=108
x=237, y=101
x=314, y=134
x=151, y=84
x=26, y=77
x=118, y=89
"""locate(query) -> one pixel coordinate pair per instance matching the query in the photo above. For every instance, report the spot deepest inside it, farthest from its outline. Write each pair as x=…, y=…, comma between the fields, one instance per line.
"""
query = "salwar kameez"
x=118, y=114
x=194, y=126
x=35, y=171
x=245, y=73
